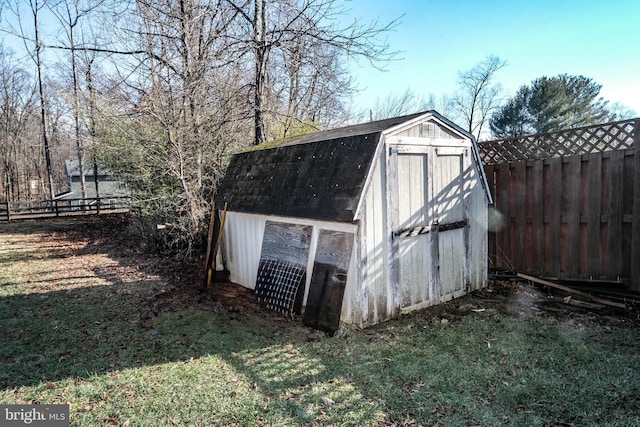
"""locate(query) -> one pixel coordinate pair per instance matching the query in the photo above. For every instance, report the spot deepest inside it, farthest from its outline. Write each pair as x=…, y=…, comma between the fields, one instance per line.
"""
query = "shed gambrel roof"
x=319, y=176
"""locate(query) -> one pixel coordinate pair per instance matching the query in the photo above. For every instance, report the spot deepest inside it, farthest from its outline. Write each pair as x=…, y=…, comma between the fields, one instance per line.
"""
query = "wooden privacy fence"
x=34, y=209
x=567, y=203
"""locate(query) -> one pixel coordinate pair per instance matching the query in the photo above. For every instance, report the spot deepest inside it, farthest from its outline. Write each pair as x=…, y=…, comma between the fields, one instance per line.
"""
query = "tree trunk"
x=259, y=33
x=92, y=127
x=47, y=153
x=76, y=116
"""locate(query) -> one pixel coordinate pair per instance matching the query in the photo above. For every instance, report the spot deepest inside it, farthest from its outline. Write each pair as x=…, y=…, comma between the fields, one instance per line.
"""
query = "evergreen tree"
x=550, y=104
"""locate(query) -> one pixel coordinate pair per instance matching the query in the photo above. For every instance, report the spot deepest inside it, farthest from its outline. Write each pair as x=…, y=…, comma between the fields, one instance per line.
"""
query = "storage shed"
x=360, y=223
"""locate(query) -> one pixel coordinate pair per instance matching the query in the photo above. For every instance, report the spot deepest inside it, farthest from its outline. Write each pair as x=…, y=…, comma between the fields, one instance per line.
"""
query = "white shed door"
x=449, y=212
x=429, y=231
x=413, y=216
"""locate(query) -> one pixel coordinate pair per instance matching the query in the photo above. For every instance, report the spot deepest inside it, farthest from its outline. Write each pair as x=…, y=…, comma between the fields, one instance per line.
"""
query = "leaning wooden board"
x=328, y=280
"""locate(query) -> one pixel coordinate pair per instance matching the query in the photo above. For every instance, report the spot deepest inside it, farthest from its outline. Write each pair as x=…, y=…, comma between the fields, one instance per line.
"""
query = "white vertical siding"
x=478, y=230
x=414, y=211
x=242, y=243
x=459, y=256
x=449, y=168
x=370, y=298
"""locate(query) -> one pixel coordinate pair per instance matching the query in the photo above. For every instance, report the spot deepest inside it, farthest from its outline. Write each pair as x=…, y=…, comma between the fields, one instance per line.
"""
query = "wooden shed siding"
x=372, y=298
x=379, y=297
x=428, y=129
x=478, y=235
x=373, y=292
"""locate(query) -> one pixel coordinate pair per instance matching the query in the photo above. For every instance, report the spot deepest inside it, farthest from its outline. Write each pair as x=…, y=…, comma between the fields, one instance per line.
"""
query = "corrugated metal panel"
x=243, y=235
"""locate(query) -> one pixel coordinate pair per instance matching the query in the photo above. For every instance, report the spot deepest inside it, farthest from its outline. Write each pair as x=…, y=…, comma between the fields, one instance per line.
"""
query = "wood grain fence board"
x=328, y=280
x=518, y=196
x=491, y=243
x=593, y=214
x=34, y=209
x=555, y=213
x=635, y=226
x=4, y=208
x=572, y=216
x=538, y=211
x=614, y=265
x=502, y=192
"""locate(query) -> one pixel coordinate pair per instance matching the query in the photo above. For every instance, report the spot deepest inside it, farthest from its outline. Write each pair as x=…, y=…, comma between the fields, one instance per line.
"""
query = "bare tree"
x=398, y=104
x=69, y=14
x=308, y=85
x=478, y=95
x=18, y=117
x=177, y=84
x=169, y=115
x=279, y=25
x=27, y=16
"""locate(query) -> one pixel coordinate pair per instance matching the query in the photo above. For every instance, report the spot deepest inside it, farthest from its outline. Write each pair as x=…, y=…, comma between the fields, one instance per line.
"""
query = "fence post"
x=8, y=213
x=635, y=224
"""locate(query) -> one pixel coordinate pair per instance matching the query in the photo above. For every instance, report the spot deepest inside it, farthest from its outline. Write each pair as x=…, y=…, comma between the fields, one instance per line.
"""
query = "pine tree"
x=549, y=104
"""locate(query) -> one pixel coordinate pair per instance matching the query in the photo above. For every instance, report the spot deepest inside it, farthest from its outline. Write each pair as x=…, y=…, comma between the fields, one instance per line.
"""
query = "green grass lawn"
x=93, y=326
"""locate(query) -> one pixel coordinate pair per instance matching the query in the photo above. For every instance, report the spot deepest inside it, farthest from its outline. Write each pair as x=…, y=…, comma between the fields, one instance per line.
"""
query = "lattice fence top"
x=583, y=140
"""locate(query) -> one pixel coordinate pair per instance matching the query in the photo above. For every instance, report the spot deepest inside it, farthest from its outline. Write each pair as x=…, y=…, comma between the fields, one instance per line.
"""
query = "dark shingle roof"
x=319, y=175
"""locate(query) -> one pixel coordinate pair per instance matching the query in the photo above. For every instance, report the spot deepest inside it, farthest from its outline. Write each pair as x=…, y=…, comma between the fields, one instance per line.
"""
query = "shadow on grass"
x=132, y=311
x=77, y=300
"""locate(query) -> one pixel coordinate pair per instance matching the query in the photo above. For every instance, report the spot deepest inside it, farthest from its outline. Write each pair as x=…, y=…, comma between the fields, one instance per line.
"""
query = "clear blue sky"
x=439, y=38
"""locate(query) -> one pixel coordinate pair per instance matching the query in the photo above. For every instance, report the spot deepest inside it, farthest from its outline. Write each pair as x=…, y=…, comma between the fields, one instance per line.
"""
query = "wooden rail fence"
x=34, y=209
x=568, y=216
